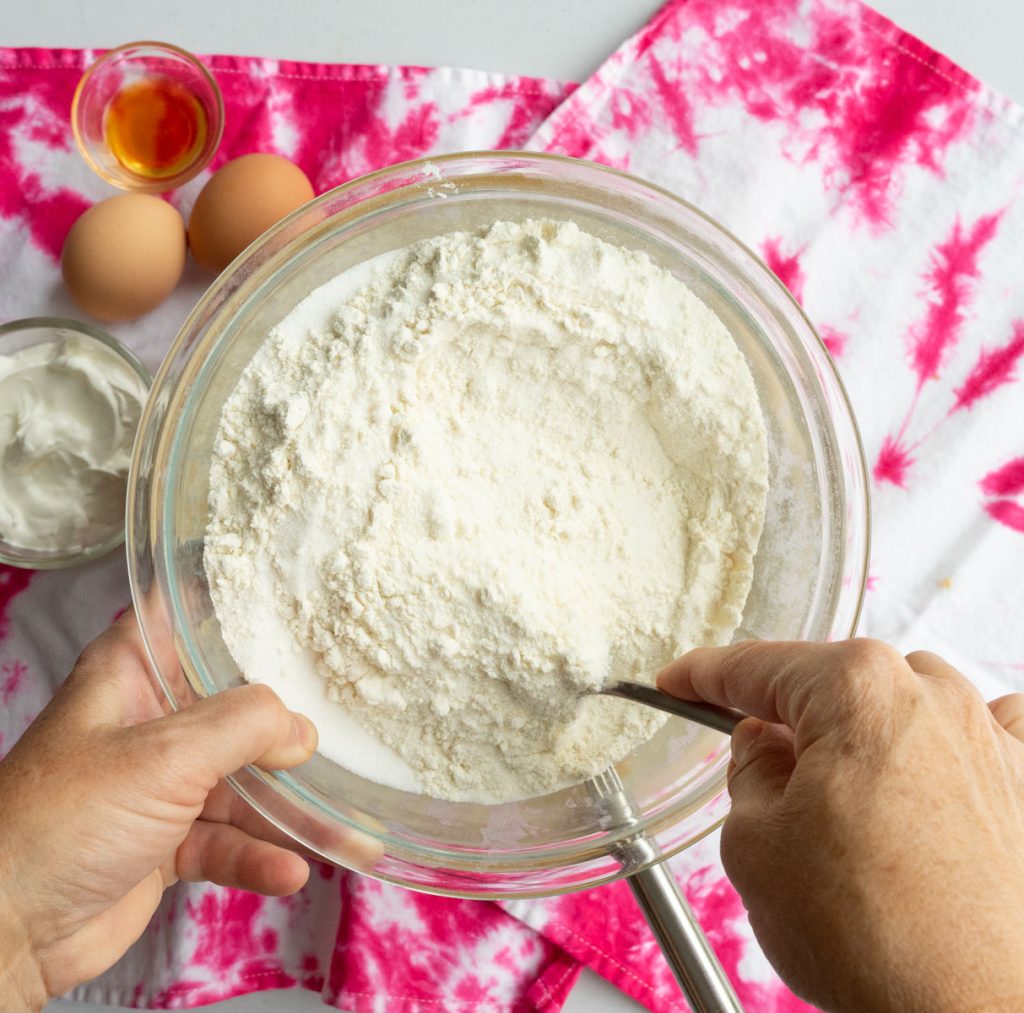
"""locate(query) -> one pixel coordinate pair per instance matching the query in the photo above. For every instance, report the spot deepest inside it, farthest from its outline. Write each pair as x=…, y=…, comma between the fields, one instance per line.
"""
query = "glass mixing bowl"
x=808, y=577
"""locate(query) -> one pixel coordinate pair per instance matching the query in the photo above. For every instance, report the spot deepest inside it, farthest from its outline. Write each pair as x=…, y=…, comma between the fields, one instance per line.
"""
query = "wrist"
x=22, y=984
x=21, y=978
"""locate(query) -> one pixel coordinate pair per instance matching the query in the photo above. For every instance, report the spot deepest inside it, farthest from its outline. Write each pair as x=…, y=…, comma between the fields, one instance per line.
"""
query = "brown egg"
x=240, y=202
x=124, y=256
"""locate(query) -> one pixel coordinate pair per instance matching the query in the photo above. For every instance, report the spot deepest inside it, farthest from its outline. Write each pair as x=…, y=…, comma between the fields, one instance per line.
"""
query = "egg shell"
x=124, y=256
x=241, y=200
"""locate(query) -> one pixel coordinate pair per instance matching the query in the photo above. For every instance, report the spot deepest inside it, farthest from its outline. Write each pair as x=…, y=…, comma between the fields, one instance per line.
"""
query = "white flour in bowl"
x=466, y=481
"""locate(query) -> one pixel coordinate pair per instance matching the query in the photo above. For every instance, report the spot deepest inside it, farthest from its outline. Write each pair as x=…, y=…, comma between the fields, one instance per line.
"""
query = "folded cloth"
x=362, y=945
x=881, y=183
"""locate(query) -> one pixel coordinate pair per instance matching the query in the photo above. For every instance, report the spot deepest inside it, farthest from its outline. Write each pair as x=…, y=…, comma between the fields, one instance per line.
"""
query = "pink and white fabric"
x=361, y=945
x=882, y=184
x=877, y=179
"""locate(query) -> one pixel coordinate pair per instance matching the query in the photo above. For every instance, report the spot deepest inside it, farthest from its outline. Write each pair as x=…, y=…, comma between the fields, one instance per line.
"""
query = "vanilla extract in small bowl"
x=147, y=116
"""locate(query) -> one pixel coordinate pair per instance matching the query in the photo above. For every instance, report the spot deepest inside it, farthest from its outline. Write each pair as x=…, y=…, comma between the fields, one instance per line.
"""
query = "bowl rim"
x=421, y=172
x=426, y=163
x=9, y=554
x=215, y=127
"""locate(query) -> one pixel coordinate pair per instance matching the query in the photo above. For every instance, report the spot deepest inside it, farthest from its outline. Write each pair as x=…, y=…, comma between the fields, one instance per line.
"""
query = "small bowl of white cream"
x=70, y=401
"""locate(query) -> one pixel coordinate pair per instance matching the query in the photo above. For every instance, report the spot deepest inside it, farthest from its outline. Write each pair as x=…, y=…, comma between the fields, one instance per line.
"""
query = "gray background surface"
x=551, y=38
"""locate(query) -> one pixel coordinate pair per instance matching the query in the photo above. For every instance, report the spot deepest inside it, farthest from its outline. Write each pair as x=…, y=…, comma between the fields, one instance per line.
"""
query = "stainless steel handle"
x=722, y=719
x=679, y=934
x=671, y=918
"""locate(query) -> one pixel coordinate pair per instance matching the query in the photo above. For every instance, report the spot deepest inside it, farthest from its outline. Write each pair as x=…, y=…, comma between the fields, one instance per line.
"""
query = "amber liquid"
x=156, y=127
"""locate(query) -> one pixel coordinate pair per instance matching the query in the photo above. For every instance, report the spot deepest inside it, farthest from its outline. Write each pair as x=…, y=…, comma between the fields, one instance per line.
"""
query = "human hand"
x=877, y=828
x=105, y=801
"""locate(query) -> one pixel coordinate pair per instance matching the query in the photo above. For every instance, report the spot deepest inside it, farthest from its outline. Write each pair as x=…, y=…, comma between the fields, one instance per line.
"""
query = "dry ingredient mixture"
x=467, y=480
x=69, y=409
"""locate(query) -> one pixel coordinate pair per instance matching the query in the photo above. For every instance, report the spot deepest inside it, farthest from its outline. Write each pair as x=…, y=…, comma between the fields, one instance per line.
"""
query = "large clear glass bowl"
x=809, y=571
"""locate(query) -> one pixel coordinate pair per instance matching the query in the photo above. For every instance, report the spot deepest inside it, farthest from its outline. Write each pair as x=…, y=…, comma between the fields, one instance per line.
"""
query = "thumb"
x=762, y=764
x=219, y=734
x=1009, y=712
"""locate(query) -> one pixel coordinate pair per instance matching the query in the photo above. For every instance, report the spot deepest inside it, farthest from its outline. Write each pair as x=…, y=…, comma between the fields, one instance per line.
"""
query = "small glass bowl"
x=15, y=336
x=125, y=66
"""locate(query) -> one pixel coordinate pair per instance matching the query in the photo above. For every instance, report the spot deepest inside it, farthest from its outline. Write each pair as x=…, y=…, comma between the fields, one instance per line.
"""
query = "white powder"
x=468, y=480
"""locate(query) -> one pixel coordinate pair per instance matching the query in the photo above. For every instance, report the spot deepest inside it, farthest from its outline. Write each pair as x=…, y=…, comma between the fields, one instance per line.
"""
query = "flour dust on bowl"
x=805, y=579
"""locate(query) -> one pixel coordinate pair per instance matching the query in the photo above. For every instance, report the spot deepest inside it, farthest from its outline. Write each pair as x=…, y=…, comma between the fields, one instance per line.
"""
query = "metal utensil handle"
x=686, y=949
x=722, y=719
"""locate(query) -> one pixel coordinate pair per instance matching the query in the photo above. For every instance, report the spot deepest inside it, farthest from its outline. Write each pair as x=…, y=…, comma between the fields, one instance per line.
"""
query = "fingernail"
x=305, y=731
x=743, y=737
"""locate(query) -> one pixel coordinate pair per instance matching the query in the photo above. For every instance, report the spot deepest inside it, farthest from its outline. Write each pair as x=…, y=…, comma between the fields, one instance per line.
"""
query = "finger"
x=1009, y=712
x=112, y=681
x=159, y=634
x=157, y=654
x=776, y=681
x=159, y=648
x=352, y=847
x=216, y=736
x=926, y=663
x=223, y=854
x=225, y=805
x=762, y=764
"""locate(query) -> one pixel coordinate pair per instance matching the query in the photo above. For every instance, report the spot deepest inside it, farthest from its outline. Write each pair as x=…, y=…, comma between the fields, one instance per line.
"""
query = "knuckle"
x=964, y=693
x=922, y=659
x=871, y=685
x=868, y=669
x=872, y=655
x=1009, y=711
x=261, y=701
x=163, y=748
x=159, y=754
x=261, y=693
x=742, y=657
x=741, y=653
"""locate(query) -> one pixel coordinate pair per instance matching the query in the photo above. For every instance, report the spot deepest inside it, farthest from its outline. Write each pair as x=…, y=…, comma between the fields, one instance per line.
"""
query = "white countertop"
x=552, y=38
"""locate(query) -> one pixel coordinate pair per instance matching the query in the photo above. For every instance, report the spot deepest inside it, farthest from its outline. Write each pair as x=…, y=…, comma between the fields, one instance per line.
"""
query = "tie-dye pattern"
x=882, y=185
x=875, y=177
x=363, y=946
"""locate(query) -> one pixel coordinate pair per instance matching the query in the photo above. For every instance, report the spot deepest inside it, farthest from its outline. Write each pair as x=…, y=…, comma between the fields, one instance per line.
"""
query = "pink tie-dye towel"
x=883, y=185
x=360, y=944
x=880, y=182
